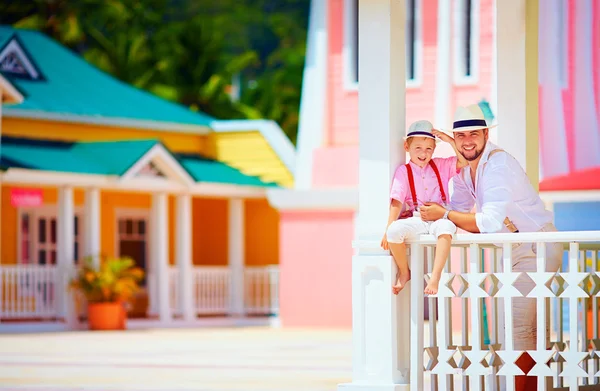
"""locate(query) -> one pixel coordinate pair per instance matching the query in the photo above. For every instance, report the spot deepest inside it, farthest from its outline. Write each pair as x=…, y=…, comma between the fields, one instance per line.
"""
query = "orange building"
x=92, y=166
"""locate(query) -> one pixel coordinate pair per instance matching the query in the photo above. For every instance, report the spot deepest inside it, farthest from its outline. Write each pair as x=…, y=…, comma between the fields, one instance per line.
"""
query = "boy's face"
x=420, y=150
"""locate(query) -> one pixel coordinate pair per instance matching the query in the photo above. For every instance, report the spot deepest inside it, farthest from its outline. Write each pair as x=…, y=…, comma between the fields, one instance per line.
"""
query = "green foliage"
x=117, y=279
x=187, y=51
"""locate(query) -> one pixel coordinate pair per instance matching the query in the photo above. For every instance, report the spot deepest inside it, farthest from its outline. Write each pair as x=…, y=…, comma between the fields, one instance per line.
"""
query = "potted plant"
x=106, y=289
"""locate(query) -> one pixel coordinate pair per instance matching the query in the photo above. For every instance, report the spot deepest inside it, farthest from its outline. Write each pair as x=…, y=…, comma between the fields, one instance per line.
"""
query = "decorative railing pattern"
x=465, y=344
x=28, y=291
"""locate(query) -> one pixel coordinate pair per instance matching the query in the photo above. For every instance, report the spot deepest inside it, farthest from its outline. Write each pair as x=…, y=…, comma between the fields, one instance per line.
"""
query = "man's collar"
x=489, y=147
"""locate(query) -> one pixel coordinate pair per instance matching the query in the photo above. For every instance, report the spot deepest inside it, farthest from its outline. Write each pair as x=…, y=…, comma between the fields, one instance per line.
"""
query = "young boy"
x=420, y=181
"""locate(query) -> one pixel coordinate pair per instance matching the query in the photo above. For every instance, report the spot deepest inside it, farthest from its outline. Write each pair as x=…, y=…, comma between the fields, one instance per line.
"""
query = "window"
x=413, y=42
x=38, y=236
x=350, y=50
x=466, y=40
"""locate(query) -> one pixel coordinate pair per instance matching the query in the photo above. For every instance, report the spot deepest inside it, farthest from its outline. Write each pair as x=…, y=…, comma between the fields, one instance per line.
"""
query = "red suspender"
x=439, y=178
x=411, y=182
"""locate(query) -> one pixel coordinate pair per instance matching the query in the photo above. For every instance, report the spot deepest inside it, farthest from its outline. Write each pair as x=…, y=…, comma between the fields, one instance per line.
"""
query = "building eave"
x=106, y=121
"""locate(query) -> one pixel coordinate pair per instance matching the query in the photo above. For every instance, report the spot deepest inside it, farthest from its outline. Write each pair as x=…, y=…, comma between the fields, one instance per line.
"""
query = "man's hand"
x=384, y=242
x=432, y=211
x=442, y=136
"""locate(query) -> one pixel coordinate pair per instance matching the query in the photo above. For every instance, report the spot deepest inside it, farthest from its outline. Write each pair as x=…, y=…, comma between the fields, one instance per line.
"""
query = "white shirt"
x=502, y=190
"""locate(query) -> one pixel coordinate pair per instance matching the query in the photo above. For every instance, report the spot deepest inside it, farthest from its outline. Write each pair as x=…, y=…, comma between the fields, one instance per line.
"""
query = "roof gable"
x=74, y=89
x=128, y=160
x=14, y=61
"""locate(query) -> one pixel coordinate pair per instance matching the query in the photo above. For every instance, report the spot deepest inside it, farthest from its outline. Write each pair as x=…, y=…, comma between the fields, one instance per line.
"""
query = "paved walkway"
x=252, y=358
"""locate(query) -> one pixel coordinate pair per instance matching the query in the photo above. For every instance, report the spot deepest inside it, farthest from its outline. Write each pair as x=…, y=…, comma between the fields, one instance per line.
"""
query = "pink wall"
x=335, y=162
x=315, y=268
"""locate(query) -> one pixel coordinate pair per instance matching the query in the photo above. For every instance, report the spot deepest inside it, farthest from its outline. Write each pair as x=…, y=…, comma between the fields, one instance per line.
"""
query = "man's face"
x=471, y=144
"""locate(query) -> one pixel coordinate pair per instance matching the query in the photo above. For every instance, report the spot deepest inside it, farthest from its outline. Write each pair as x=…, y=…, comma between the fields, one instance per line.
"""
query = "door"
x=132, y=241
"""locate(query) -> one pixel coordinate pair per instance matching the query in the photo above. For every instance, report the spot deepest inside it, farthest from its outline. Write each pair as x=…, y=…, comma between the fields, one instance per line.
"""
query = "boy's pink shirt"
x=426, y=183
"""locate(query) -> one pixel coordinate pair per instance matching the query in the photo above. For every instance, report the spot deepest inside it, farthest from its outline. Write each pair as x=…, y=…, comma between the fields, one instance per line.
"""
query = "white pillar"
x=92, y=225
x=184, y=256
x=443, y=80
x=313, y=97
x=236, y=255
x=380, y=336
x=160, y=254
x=517, y=68
x=64, y=254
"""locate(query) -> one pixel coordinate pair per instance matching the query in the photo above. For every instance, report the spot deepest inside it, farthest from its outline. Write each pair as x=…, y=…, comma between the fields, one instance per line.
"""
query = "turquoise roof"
x=72, y=86
x=109, y=158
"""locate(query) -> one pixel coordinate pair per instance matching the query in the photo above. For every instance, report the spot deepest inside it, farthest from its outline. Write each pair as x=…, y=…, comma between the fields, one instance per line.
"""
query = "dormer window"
x=15, y=62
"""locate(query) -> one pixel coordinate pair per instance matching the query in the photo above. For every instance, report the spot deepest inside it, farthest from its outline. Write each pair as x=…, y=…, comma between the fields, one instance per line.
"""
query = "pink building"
x=450, y=61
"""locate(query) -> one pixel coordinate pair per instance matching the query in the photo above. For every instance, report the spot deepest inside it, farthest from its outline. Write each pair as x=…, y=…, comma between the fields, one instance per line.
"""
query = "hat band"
x=418, y=133
x=470, y=122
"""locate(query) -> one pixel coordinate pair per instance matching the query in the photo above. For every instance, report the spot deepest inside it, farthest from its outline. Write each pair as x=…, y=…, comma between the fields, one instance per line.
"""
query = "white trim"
x=459, y=77
x=12, y=94
x=106, y=121
x=13, y=46
x=562, y=36
x=350, y=46
x=164, y=162
x=443, y=80
x=275, y=137
x=313, y=99
x=19, y=176
x=570, y=196
x=321, y=199
x=133, y=214
x=47, y=211
x=418, y=46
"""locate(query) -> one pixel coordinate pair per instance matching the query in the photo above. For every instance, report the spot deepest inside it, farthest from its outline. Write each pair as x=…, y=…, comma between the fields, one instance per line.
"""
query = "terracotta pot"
x=590, y=324
x=106, y=316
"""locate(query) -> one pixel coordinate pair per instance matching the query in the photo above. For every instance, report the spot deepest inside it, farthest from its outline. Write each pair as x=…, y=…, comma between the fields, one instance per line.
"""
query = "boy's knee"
x=395, y=234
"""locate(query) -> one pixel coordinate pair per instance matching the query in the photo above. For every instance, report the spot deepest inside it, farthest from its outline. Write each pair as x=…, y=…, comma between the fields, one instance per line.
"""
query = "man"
x=505, y=201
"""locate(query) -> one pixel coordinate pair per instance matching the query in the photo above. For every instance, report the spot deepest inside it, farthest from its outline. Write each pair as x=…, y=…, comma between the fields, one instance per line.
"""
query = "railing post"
x=417, y=318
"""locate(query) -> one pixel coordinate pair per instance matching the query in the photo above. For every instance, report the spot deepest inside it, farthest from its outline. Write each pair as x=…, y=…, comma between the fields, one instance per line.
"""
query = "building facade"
x=93, y=167
x=450, y=60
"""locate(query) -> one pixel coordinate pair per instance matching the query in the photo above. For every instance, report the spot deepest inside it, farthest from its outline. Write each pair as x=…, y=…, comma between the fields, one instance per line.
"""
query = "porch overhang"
x=8, y=93
x=27, y=177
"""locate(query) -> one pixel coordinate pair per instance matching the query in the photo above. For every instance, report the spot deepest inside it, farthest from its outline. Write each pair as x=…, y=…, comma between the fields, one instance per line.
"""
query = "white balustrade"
x=28, y=291
x=479, y=353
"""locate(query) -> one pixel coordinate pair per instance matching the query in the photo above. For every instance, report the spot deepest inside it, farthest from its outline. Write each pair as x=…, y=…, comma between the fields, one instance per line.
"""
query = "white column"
x=443, y=61
x=313, y=97
x=184, y=256
x=236, y=255
x=380, y=336
x=517, y=69
x=92, y=225
x=64, y=254
x=160, y=254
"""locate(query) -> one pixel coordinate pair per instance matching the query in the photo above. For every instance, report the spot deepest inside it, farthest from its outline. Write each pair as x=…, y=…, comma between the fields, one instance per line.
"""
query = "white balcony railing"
x=28, y=291
x=473, y=349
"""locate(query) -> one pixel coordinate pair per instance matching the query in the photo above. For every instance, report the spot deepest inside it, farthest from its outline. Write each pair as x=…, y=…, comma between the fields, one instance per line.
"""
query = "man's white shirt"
x=502, y=189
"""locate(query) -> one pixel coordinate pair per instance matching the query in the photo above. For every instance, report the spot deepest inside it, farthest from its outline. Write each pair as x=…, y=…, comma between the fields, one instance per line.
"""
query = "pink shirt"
x=426, y=183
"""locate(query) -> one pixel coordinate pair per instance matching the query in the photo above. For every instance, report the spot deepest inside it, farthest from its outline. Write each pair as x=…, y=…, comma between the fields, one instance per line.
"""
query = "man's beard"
x=476, y=153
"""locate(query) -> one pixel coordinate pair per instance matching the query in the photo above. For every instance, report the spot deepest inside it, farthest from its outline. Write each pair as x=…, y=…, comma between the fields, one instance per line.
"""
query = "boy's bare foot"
x=432, y=285
x=401, y=281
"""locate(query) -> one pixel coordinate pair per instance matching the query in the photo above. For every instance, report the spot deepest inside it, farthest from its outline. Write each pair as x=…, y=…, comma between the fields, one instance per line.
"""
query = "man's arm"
x=497, y=186
x=462, y=220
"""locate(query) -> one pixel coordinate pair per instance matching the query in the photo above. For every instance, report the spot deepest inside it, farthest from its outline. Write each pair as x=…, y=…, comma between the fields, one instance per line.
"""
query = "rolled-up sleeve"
x=461, y=200
x=496, y=196
x=399, y=185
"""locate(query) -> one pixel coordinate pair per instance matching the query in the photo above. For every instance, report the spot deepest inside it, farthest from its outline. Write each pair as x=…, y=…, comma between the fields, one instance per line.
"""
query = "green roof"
x=205, y=170
x=109, y=158
x=71, y=86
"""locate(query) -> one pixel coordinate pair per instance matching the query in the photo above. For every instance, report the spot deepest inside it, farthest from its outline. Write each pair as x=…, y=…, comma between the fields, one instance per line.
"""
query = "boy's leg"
x=397, y=233
x=444, y=230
